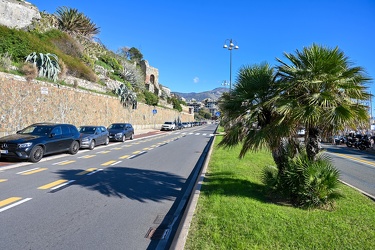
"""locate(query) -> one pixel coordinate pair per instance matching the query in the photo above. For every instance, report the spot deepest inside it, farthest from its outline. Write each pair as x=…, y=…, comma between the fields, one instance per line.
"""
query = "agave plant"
x=127, y=97
x=47, y=64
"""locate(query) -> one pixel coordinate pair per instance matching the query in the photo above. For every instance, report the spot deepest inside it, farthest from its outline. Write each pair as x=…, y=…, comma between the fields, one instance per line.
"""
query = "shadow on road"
x=132, y=183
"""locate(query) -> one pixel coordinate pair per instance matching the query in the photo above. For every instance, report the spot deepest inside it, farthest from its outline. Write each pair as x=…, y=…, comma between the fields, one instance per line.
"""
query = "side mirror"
x=52, y=135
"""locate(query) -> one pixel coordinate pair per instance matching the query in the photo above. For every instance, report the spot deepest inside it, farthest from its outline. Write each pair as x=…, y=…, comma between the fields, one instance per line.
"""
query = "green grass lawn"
x=233, y=212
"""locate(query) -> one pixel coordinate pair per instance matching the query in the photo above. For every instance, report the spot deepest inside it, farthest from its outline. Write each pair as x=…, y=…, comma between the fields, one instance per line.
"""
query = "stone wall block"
x=23, y=103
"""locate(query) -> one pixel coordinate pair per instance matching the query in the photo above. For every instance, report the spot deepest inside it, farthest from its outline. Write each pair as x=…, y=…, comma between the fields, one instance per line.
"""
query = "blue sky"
x=184, y=39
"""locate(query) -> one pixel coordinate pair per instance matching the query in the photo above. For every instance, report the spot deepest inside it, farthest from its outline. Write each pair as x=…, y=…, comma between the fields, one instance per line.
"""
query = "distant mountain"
x=213, y=94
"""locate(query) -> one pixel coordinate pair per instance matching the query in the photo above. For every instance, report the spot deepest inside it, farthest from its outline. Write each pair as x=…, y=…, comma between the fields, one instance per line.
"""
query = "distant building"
x=211, y=105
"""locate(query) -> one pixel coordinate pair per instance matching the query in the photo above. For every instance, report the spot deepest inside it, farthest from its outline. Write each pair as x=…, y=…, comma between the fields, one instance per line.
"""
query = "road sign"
x=217, y=113
x=154, y=111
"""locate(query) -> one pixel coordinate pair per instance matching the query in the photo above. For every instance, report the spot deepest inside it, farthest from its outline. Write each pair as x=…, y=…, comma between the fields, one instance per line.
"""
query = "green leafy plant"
x=150, y=98
x=305, y=183
x=127, y=97
x=75, y=22
x=47, y=64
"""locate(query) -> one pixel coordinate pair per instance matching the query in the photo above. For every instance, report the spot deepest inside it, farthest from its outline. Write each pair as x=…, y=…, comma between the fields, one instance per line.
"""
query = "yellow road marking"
x=146, y=148
x=52, y=184
x=356, y=159
x=124, y=157
x=3, y=180
x=65, y=163
x=87, y=171
x=108, y=163
x=104, y=152
x=9, y=200
x=88, y=156
x=136, y=152
x=34, y=171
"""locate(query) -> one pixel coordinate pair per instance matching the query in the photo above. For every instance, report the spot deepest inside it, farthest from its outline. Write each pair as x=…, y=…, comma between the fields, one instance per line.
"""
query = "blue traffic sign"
x=217, y=113
x=154, y=111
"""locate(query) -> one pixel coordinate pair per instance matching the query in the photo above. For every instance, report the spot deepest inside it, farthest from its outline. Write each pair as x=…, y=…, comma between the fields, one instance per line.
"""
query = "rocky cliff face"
x=17, y=14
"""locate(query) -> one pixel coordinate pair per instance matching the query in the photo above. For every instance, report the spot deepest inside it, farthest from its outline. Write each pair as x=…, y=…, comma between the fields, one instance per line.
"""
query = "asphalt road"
x=357, y=168
x=121, y=196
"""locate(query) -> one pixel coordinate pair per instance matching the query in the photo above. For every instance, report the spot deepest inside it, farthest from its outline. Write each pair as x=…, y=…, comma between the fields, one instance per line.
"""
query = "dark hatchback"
x=120, y=131
x=37, y=140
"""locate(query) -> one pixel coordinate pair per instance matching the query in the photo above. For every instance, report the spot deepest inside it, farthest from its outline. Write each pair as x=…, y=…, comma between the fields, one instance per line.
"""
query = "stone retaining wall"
x=23, y=103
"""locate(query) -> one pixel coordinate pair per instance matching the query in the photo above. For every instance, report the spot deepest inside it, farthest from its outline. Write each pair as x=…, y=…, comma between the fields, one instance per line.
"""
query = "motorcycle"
x=365, y=142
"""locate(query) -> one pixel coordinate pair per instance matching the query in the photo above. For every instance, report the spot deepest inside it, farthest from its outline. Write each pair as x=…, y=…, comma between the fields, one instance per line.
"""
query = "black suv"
x=39, y=139
x=120, y=131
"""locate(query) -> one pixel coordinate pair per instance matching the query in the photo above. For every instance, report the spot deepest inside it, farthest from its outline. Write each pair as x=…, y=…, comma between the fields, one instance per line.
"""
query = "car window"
x=57, y=130
x=37, y=130
x=87, y=130
x=65, y=130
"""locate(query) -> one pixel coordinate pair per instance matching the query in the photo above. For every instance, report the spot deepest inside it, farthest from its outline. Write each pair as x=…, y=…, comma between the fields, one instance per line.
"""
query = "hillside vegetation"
x=70, y=35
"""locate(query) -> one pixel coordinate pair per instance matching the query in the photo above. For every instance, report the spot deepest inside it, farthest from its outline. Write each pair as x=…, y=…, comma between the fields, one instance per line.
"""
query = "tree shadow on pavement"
x=132, y=183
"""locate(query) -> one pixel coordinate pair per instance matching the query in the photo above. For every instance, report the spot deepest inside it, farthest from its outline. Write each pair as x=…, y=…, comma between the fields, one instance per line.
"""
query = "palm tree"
x=74, y=22
x=250, y=117
x=322, y=92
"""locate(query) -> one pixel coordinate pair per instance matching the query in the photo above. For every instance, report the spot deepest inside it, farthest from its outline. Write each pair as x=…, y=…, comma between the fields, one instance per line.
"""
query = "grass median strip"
x=234, y=212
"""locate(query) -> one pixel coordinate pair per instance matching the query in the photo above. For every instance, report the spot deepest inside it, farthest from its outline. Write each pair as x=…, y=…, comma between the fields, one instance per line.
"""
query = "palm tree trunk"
x=312, y=144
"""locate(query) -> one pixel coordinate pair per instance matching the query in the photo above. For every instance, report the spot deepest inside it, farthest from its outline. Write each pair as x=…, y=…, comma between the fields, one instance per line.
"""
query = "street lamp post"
x=232, y=45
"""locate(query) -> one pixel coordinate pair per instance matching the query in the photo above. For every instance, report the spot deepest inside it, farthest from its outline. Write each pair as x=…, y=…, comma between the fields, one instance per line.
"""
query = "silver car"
x=92, y=136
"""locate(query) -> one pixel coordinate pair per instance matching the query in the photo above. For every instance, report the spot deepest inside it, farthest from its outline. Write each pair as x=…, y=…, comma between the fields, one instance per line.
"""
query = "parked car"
x=179, y=126
x=168, y=126
x=185, y=124
x=92, y=136
x=120, y=132
x=39, y=139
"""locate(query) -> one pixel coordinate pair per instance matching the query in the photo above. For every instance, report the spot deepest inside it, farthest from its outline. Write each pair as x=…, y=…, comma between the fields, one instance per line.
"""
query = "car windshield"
x=36, y=130
x=117, y=126
x=87, y=130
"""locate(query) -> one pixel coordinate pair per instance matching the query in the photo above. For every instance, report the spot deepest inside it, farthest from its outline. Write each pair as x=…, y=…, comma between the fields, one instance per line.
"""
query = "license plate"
x=4, y=151
x=111, y=137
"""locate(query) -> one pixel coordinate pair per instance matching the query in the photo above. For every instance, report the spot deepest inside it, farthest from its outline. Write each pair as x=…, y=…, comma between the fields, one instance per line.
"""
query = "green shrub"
x=305, y=183
x=151, y=98
x=112, y=62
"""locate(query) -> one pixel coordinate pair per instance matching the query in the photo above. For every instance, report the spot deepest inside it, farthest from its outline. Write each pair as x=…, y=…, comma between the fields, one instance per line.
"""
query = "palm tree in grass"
x=75, y=22
x=320, y=90
x=250, y=116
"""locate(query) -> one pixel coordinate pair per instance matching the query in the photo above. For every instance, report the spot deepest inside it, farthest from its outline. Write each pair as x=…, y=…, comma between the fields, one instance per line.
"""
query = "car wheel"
x=131, y=136
x=36, y=154
x=106, y=141
x=123, y=138
x=92, y=145
x=74, y=147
